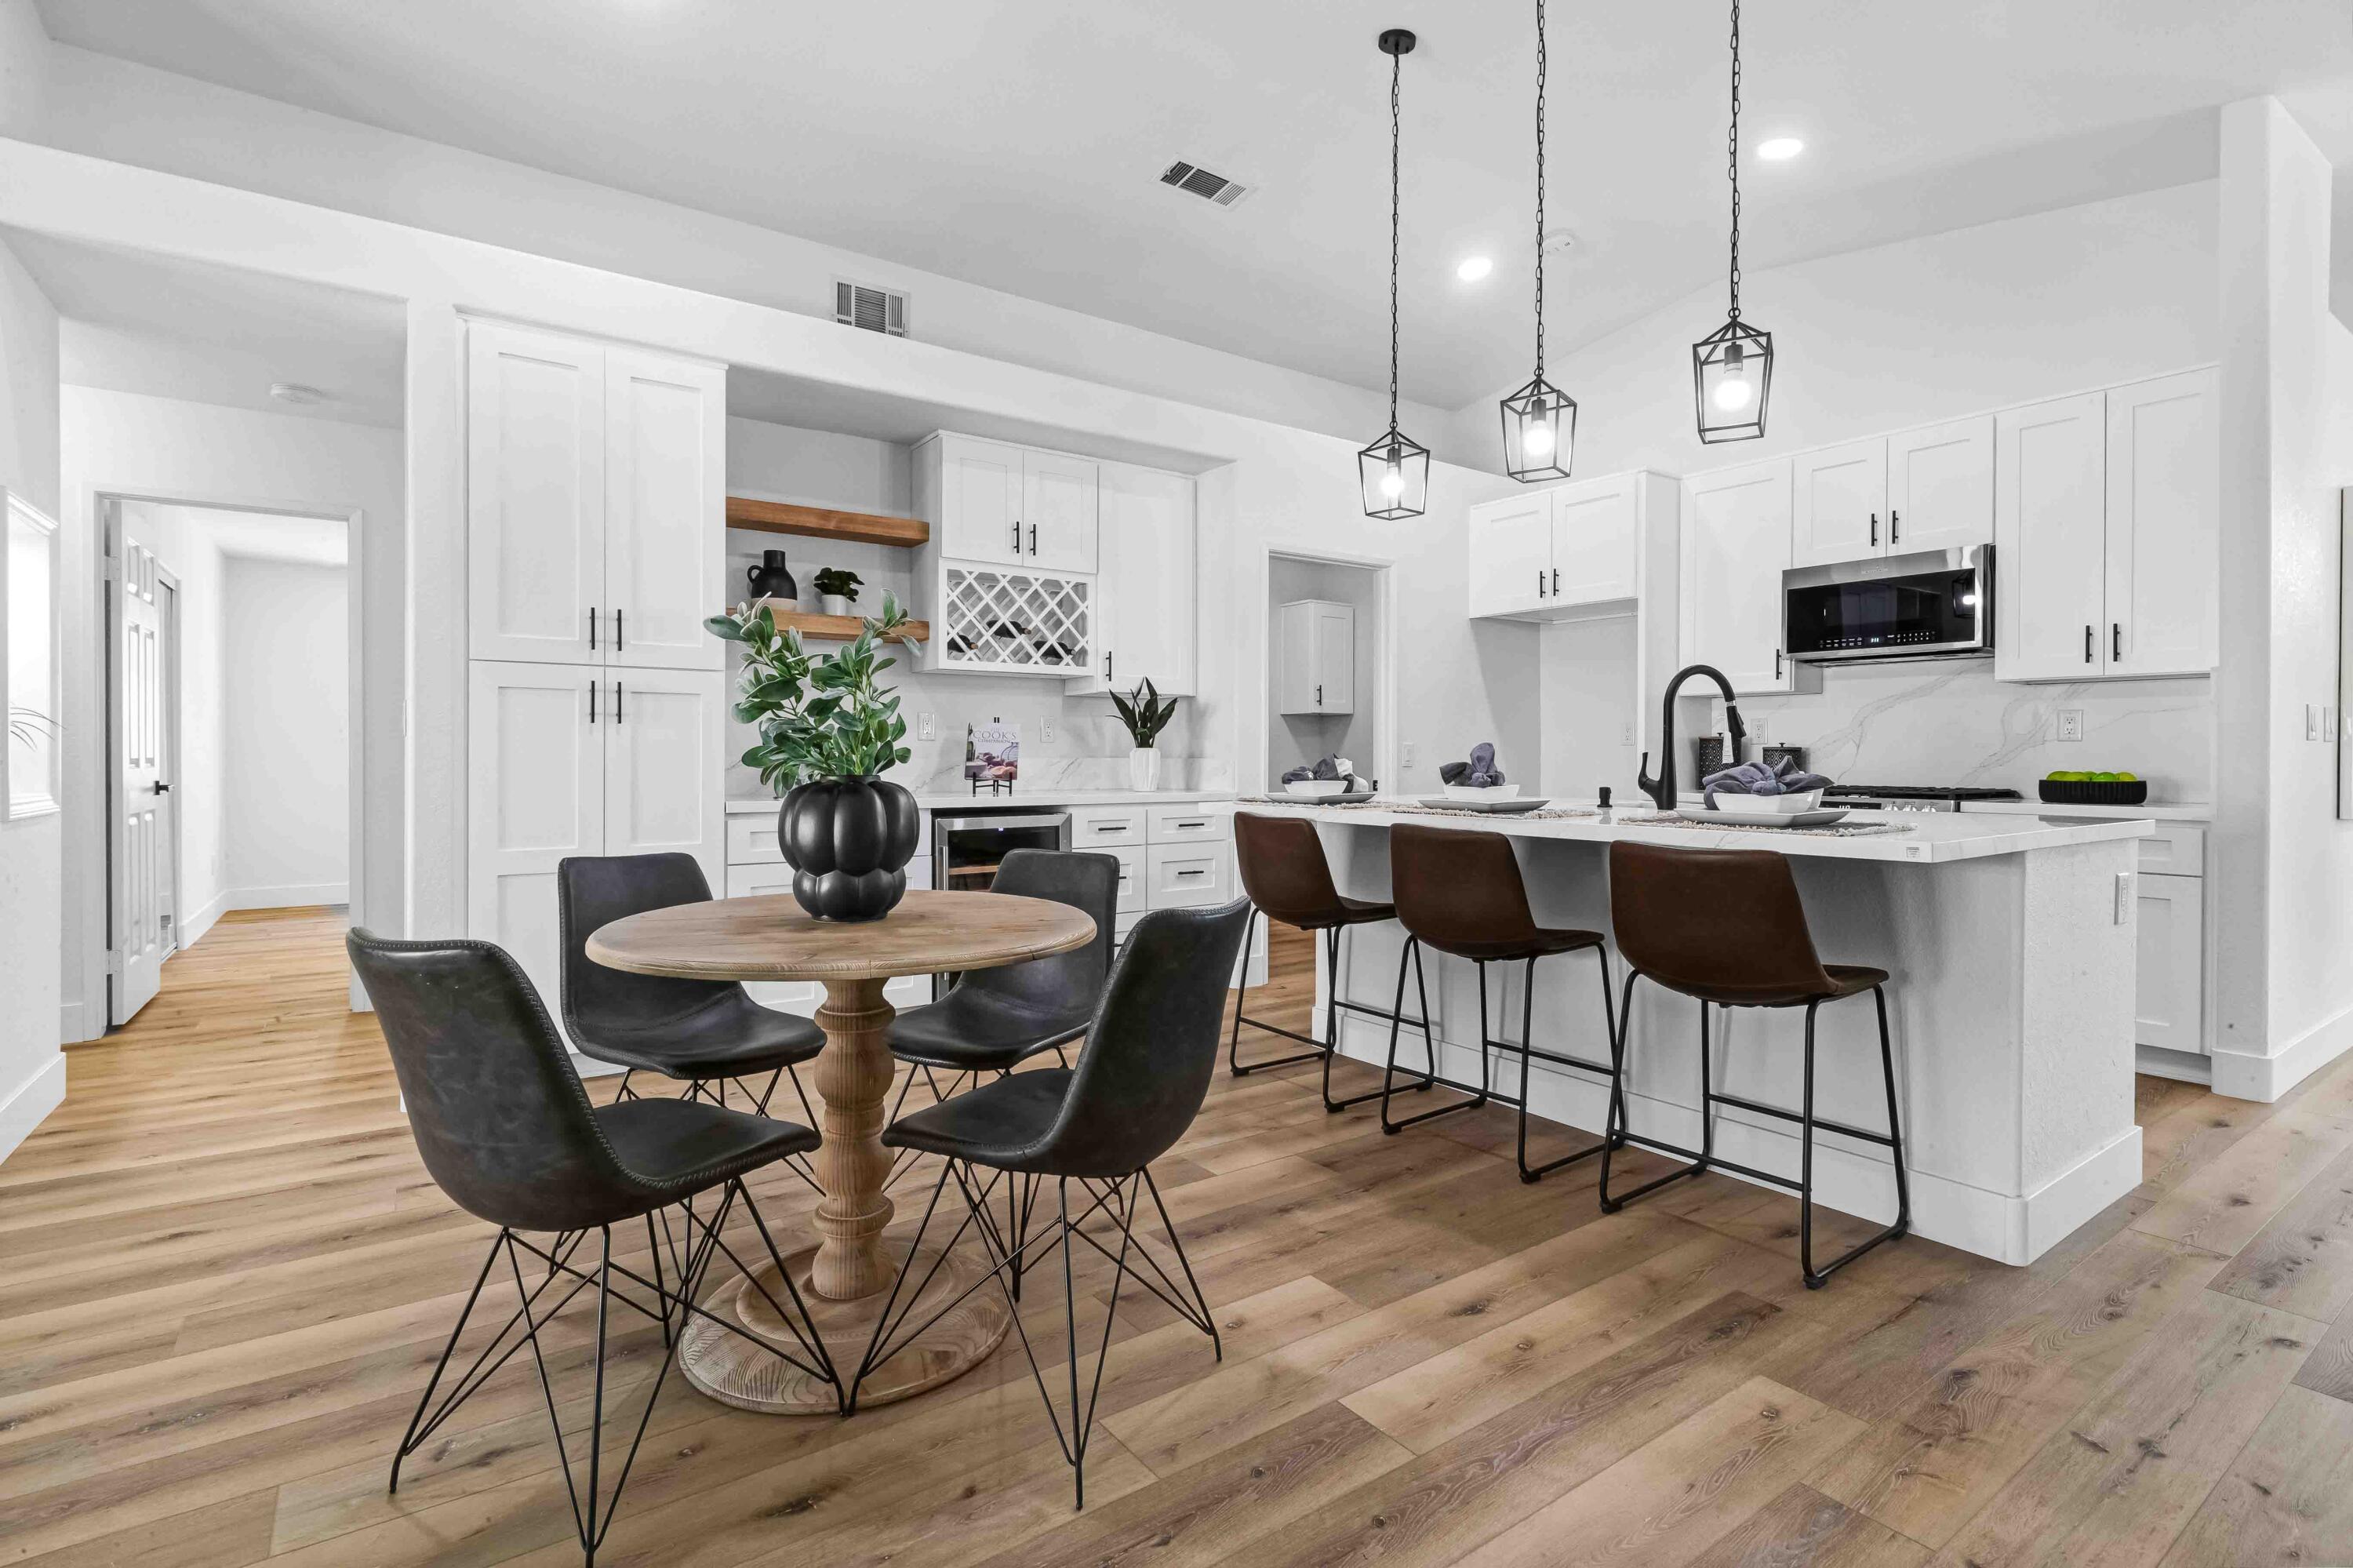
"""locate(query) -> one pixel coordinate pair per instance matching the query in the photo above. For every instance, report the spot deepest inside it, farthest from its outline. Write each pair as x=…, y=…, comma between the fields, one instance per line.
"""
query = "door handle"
x=1874, y=530
x=592, y=688
x=161, y=787
x=620, y=643
x=1777, y=664
x=1033, y=538
x=617, y=701
x=1106, y=666
x=1555, y=581
x=1017, y=535
x=2087, y=642
x=2117, y=641
x=592, y=629
x=1319, y=694
x=1894, y=524
x=1540, y=582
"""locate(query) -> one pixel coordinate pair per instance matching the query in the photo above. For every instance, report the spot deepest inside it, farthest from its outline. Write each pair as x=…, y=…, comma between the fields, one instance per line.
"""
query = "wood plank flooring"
x=224, y=1277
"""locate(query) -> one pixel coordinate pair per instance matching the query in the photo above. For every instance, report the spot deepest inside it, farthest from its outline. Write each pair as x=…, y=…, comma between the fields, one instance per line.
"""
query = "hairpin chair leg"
x=1620, y=1130
x=1817, y=1277
x=1428, y=1042
x=1527, y=1019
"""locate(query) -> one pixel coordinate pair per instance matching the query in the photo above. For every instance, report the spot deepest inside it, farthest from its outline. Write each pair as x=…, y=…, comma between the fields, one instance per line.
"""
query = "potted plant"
x=827, y=732
x=1145, y=713
x=836, y=591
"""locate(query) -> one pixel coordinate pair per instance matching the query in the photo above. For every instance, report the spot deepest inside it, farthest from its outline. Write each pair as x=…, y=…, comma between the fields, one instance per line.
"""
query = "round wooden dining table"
x=845, y=1276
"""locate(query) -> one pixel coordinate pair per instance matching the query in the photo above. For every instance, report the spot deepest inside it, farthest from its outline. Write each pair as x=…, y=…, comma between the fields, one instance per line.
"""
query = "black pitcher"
x=769, y=580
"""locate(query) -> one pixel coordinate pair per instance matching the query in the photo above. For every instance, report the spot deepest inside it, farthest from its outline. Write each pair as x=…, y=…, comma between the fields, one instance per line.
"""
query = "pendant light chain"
x=1396, y=76
x=1540, y=185
x=1732, y=158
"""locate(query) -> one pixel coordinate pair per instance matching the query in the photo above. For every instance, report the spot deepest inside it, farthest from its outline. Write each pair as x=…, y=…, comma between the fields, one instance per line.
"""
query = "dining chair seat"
x=729, y=1036
x=972, y=1029
x=672, y=1149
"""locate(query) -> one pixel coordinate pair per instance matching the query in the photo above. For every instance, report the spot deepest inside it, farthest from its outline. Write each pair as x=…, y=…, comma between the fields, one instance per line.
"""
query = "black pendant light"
x=1539, y=419
x=1394, y=470
x=1732, y=367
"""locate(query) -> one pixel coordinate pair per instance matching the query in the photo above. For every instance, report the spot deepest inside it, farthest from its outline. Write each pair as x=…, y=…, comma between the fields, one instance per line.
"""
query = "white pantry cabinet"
x=1930, y=488
x=1567, y=551
x=2106, y=520
x=1735, y=547
x=596, y=500
x=1316, y=663
x=1148, y=589
x=574, y=759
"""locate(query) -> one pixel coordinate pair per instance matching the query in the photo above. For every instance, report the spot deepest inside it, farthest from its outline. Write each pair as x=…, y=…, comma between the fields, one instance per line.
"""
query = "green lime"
x=2127, y=778
x=2102, y=777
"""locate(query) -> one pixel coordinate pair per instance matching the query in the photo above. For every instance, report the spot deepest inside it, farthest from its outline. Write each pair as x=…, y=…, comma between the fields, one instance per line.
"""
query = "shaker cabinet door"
x=1839, y=505
x=2050, y=526
x=1596, y=541
x=1059, y=498
x=664, y=508
x=2164, y=512
x=534, y=496
x=1736, y=545
x=1510, y=562
x=980, y=501
x=1940, y=487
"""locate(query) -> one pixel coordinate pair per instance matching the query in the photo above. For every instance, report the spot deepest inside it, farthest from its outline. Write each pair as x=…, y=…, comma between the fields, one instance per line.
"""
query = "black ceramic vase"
x=848, y=841
x=769, y=580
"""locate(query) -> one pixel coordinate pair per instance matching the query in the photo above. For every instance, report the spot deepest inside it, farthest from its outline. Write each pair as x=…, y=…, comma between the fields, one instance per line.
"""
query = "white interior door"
x=142, y=853
x=1059, y=505
x=664, y=734
x=1839, y=505
x=2164, y=513
x=1596, y=541
x=1510, y=563
x=535, y=759
x=2049, y=520
x=1940, y=486
x=535, y=496
x=664, y=508
x=1736, y=545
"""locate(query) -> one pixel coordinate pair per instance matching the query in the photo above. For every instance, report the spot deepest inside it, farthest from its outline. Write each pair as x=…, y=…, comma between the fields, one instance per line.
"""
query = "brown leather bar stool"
x=1459, y=890
x=1727, y=928
x=1288, y=879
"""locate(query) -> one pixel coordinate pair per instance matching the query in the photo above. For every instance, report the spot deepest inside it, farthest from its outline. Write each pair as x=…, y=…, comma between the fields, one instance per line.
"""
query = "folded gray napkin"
x=1777, y=777
x=1479, y=773
x=1327, y=768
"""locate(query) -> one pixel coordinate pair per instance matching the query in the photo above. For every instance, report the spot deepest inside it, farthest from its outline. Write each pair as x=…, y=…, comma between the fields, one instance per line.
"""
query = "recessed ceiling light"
x=1474, y=267
x=1779, y=149
x=295, y=392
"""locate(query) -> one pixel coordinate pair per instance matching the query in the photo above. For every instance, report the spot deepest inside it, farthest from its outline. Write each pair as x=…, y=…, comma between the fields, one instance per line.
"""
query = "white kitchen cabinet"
x=1735, y=547
x=1316, y=663
x=1838, y=506
x=2164, y=514
x=1060, y=500
x=1008, y=578
x=1509, y=565
x=1567, y=551
x=574, y=759
x=1597, y=540
x=2170, y=996
x=1148, y=586
x=1940, y=486
x=2107, y=517
x=976, y=511
x=596, y=500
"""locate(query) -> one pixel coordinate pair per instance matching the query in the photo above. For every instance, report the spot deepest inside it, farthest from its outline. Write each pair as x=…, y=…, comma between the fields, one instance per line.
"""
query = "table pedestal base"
x=732, y=1370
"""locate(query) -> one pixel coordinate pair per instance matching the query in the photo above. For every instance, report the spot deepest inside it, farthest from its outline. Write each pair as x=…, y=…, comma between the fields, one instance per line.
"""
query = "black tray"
x=2073, y=792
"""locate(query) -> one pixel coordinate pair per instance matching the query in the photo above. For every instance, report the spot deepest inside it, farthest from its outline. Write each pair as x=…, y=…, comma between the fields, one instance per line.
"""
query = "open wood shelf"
x=821, y=522
x=834, y=628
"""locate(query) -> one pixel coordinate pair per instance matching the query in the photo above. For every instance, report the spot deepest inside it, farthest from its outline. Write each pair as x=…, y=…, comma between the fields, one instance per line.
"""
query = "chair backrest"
x=594, y=891
x=1457, y=887
x=1152, y=1046
x=1066, y=985
x=1727, y=922
x=1284, y=868
x=498, y=1112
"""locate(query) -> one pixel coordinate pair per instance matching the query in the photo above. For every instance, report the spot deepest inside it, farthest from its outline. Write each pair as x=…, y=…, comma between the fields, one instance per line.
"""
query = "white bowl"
x=1314, y=786
x=1482, y=792
x=1733, y=805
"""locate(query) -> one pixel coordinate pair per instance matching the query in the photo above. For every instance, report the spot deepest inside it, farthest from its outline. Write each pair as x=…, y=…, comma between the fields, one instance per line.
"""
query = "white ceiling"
x=171, y=328
x=1018, y=146
x=268, y=537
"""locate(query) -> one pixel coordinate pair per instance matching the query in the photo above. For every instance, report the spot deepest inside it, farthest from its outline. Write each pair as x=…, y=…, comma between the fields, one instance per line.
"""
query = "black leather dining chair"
x=1151, y=1049
x=702, y=1032
x=506, y=1129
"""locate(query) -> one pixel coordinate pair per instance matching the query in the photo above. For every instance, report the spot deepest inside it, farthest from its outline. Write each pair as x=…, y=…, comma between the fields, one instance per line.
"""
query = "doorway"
x=1326, y=659
x=232, y=708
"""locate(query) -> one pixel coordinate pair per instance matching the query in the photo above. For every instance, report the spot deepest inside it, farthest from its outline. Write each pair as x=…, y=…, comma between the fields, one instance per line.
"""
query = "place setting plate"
x=1821, y=817
x=1509, y=806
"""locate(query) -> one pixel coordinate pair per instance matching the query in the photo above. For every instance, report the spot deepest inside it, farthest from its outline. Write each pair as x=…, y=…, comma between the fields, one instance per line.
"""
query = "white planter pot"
x=1144, y=768
x=836, y=604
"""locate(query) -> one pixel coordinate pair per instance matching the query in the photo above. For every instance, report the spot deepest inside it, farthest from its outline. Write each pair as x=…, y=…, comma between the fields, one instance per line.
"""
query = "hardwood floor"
x=226, y=1276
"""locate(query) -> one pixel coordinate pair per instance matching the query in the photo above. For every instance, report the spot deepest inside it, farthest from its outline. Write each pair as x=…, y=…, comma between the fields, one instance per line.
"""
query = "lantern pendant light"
x=1394, y=469
x=1539, y=419
x=1732, y=367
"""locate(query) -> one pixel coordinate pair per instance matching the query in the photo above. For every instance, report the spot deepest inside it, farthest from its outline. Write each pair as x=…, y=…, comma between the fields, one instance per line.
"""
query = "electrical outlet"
x=2071, y=724
x=1406, y=761
x=1045, y=729
x=1626, y=733
x=926, y=727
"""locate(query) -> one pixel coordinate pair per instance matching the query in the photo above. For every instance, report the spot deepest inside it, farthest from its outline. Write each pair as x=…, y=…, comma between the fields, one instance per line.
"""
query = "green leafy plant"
x=1145, y=711
x=819, y=716
x=833, y=579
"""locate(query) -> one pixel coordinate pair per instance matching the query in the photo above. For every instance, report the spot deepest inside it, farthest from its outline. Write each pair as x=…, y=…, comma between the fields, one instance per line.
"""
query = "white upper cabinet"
x=1838, y=504
x=979, y=500
x=665, y=507
x=2107, y=517
x=1149, y=584
x=2164, y=514
x=1597, y=540
x=1316, y=657
x=1940, y=487
x=1736, y=545
x=1511, y=554
x=1059, y=500
x=1563, y=552
x=535, y=493
x=596, y=500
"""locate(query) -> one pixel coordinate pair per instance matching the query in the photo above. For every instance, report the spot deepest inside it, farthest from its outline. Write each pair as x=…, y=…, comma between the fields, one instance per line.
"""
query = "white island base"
x=2010, y=946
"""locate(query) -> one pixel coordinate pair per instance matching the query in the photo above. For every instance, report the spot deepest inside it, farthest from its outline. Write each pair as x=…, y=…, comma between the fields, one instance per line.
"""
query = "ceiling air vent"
x=1201, y=183
x=876, y=310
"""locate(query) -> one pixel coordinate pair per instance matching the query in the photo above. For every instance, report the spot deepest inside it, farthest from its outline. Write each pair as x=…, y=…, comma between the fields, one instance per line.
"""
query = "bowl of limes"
x=2100, y=788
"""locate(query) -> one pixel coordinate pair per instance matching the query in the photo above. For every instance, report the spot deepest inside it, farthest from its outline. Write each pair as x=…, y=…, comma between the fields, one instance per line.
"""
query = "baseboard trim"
x=2182, y=1067
x=2245, y=1077
x=73, y=1026
x=294, y=896
x=192, y=929
x=30, y=1102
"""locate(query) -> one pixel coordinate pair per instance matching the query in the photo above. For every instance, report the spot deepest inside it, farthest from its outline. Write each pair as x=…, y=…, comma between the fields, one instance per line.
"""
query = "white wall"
x=1298, y=738
x=285, y=720
x=121, y=443
x=32, y=1069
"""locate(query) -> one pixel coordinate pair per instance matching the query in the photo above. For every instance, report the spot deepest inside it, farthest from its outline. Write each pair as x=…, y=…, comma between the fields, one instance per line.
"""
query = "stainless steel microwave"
x=1932, y=604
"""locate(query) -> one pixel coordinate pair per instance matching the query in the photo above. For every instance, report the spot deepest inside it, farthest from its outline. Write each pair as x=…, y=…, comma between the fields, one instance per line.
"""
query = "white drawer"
x=1188, y=824
x=2174, y=851
x=1181, y=874
x=1132, y=872
x=752, y=839
x=1106, y=827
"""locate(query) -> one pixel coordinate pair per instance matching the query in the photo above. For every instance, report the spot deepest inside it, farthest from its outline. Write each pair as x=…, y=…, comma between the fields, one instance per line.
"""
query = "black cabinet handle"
x=617, y=701
x=1319, y=694
x=620, y=637
x=592, y=629
x=1894, y=524
x=1017, y=535
x=1555, y=580
x=1033, y=538
x=592, y=686
x=2087, y=642
x=2117, y=641
x=1874, y=530
x=1777, y=664
x=1540, y=582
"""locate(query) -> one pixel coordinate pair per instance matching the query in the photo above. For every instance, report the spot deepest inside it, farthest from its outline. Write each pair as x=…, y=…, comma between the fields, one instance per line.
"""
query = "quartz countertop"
x=1924, y=837
x=1043, y=797
x=2153, y=811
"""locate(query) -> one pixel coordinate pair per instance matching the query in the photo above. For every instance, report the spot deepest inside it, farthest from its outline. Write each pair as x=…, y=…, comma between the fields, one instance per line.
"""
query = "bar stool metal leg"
x=1527, y=1014
x=1818, y=1277
x=1620, y=1133
x=1430, y=1044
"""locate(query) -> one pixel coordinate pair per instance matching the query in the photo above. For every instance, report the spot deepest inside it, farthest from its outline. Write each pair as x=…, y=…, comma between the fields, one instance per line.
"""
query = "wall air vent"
x=1201, y=183
x=876, y=310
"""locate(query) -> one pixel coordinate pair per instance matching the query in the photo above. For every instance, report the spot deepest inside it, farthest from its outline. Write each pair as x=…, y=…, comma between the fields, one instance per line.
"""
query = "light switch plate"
x=1407, y=761
x=926, y=727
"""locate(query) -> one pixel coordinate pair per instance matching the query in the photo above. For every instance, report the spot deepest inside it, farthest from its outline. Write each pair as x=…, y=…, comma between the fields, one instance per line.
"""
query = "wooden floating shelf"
x=835, y=628
x=821, y=523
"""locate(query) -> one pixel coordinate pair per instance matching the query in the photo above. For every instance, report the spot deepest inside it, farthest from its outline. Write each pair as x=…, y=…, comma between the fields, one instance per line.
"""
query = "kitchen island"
x=2011, y=945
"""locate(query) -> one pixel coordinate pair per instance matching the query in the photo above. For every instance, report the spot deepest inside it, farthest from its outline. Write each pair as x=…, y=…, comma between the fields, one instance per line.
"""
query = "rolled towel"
x=1452, y=772
x=1740, y=778
x=1328, y=767
x=1796, y=781
x=1299, y=775
x=1484, y=773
